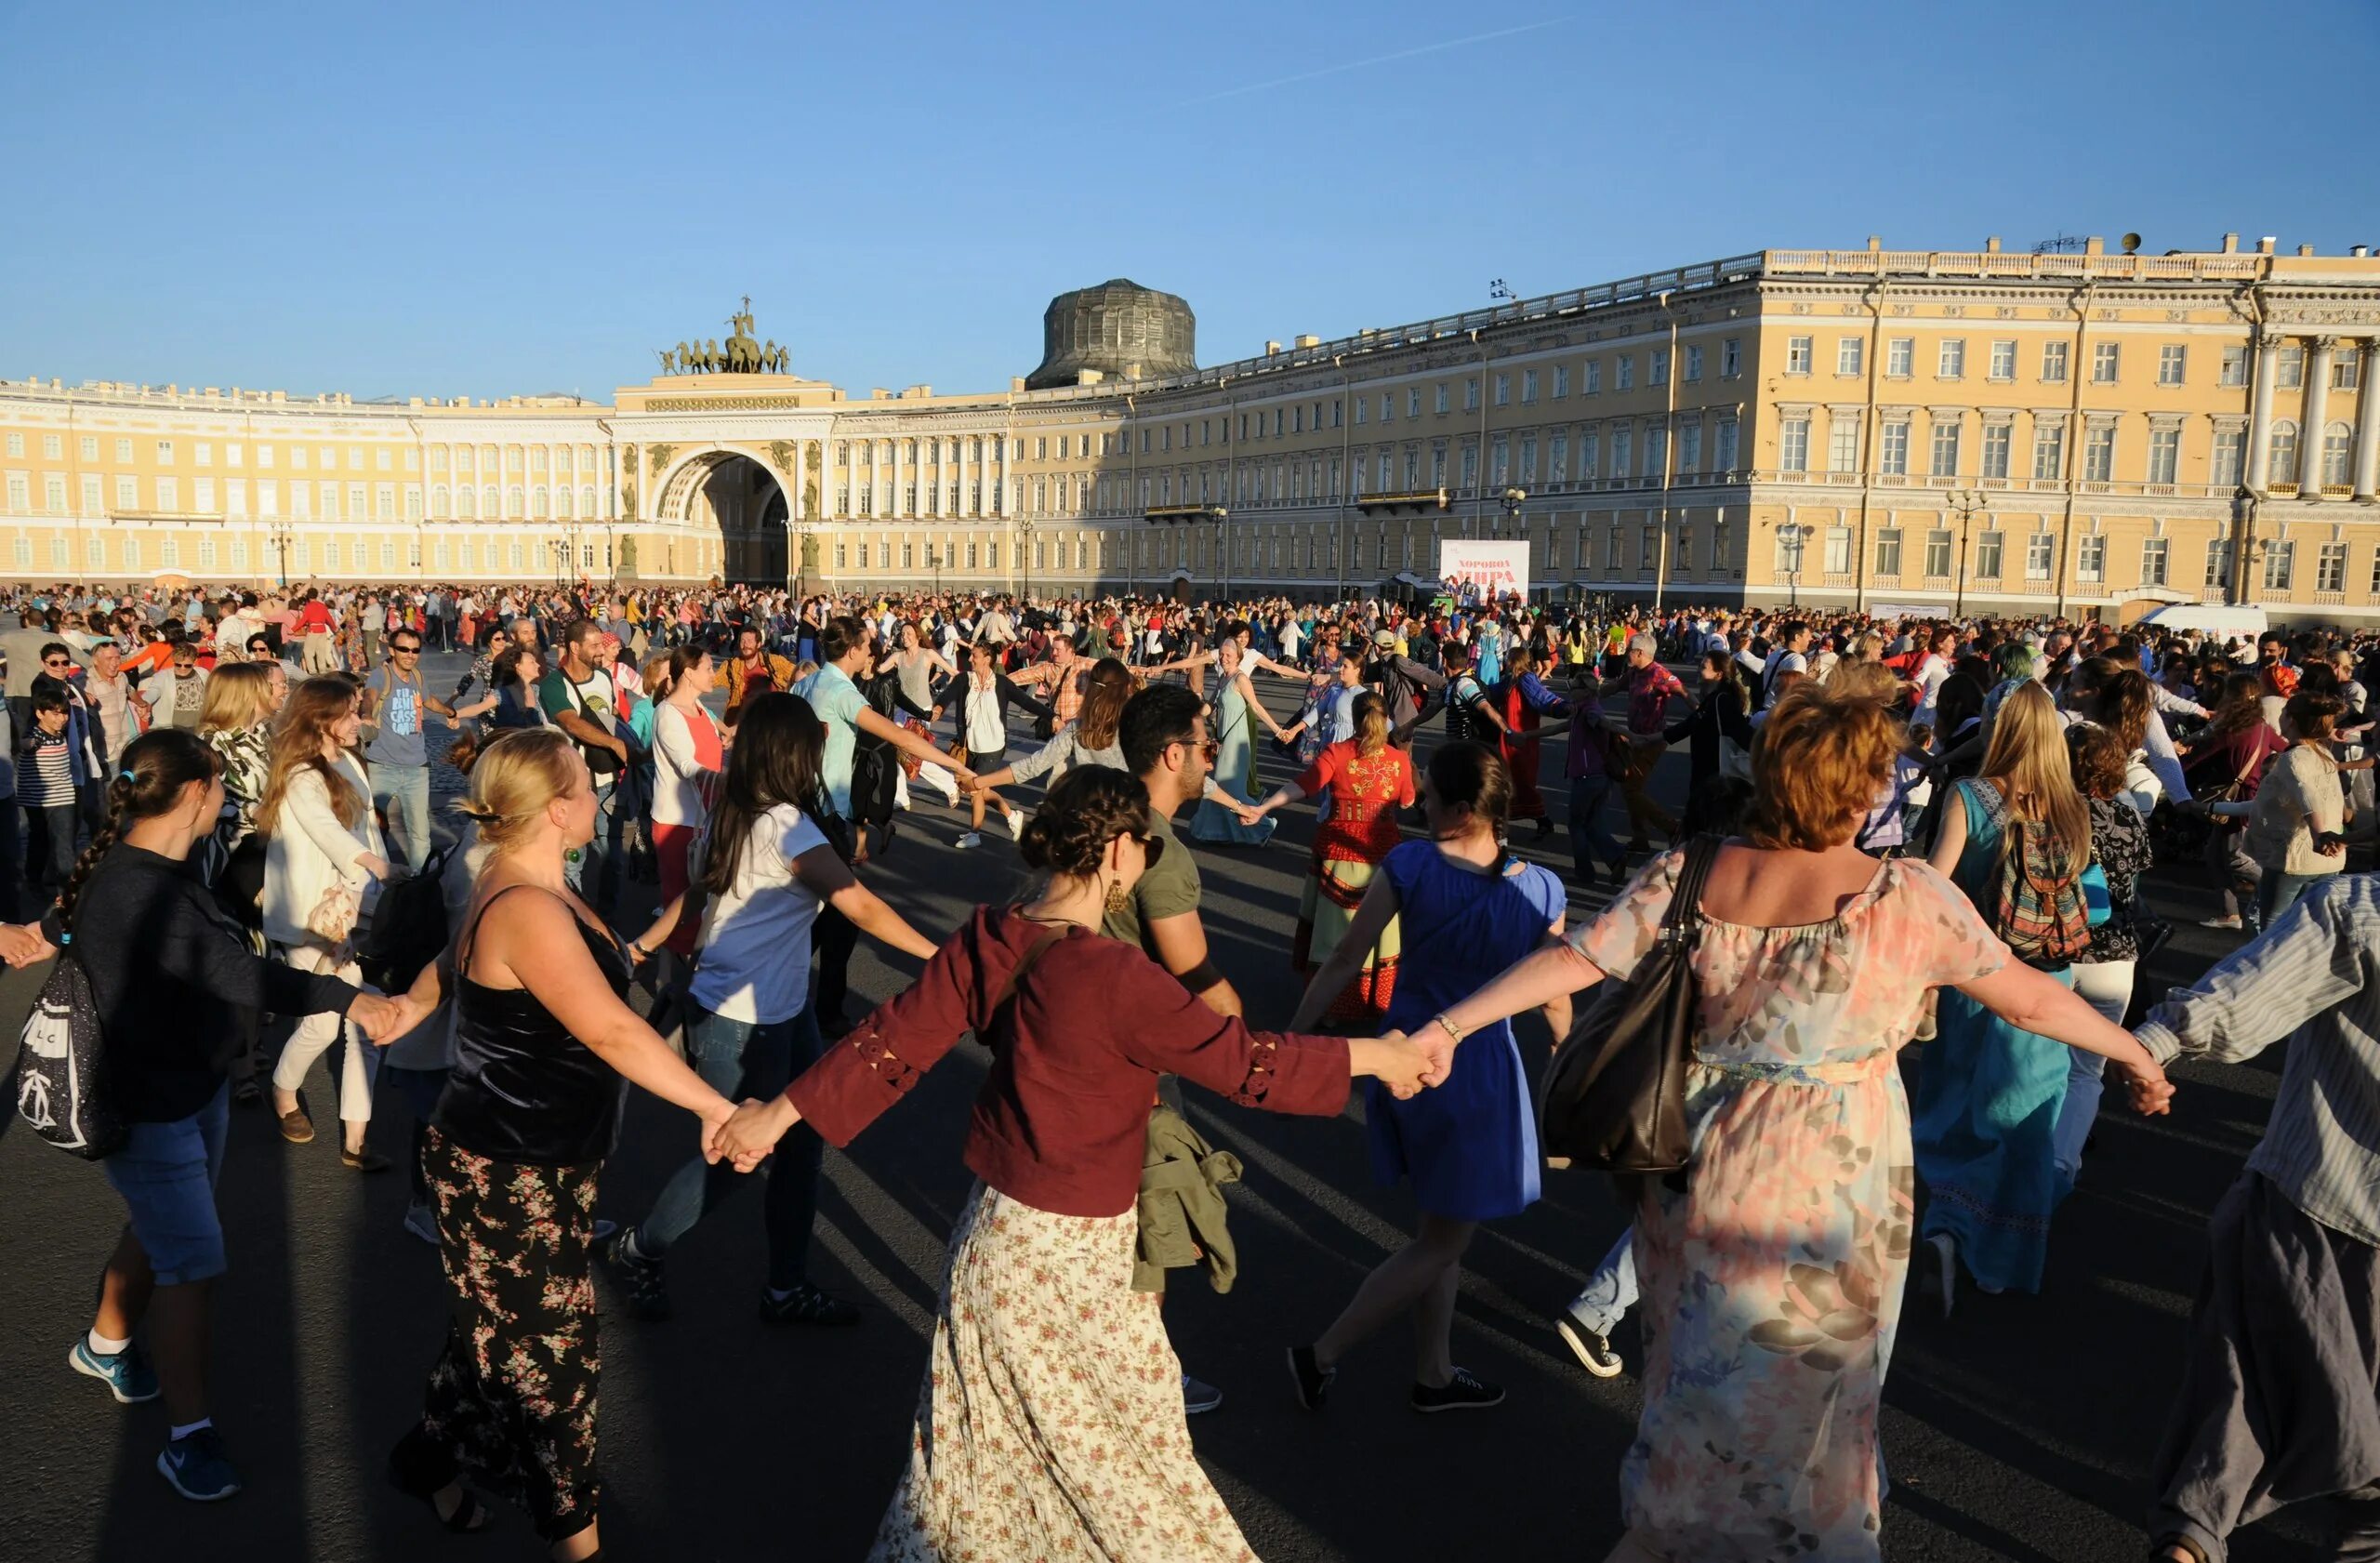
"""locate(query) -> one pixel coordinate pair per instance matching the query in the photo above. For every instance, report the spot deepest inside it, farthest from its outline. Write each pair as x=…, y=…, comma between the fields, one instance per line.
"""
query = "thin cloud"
x=1366, y=64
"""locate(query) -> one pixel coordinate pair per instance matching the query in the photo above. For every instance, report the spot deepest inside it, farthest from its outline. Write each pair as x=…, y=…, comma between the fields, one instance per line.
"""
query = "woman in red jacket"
x=1051, y=1424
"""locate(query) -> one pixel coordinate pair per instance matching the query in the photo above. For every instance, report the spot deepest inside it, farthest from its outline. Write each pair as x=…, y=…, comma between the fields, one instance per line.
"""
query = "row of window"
x=327, y=501
x=2107, y=362
x=382, y=458
x=2226, y=457
x=129, y=553
x=1989, y=563
x=865, y=555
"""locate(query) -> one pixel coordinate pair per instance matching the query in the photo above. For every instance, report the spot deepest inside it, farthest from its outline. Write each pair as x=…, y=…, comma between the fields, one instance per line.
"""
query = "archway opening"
x=744, y=500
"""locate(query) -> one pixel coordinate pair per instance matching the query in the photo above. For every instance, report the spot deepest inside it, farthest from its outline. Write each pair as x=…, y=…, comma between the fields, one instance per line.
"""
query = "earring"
x=1118, y=897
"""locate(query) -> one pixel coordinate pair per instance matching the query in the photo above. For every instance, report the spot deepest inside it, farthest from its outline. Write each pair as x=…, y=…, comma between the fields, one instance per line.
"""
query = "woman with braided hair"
x=169, y=975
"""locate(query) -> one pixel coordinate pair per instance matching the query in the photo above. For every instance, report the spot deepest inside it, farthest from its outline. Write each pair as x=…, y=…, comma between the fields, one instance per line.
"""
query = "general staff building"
x=2094, y=433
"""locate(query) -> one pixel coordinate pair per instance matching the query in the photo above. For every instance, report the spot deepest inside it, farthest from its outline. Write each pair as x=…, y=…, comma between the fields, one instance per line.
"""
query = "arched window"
x=586, y=499
x=437, y=499
x=2284, y=452
x=562, y=499
x=488, y=506
x=2338, y=439
x=538, y=504
x=470, y=506
x=513, y=501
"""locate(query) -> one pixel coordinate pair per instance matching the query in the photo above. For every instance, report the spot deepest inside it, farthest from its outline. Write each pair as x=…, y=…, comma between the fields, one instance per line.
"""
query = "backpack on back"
x=2041, y=912
x=408, y=928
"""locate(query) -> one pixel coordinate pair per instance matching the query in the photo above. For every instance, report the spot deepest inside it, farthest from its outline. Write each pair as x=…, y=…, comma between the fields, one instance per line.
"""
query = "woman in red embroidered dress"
x=1051, y=1423
x=1369, y=780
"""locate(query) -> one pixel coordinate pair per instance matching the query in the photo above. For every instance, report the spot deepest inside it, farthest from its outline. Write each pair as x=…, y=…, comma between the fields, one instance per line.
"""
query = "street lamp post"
x=1965, y=502
x=1223, y=542
x=1796, y=537
x=280, y=545
x=1023, y=555
x=934, y=562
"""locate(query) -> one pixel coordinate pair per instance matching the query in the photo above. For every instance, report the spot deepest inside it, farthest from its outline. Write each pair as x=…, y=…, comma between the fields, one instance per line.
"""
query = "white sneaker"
x=422, y=1221
x=972, y=839
x=1016, y=823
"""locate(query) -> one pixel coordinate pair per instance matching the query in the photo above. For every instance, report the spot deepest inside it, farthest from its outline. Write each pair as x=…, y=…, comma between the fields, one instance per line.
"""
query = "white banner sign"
x=1492, y=569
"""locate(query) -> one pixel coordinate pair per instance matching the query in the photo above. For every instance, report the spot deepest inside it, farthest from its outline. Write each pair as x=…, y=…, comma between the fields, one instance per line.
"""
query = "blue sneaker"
x=197, y=1467
x=127, y=1375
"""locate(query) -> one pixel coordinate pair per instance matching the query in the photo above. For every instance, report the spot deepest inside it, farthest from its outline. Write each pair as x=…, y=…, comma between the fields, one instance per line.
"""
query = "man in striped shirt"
x=2277, y=1402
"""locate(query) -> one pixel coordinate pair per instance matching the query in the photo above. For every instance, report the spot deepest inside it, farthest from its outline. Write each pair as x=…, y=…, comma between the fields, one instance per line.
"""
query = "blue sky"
x=485, y=200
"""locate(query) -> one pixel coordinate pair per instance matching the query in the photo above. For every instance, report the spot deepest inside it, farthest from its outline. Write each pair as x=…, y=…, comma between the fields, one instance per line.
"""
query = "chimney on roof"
x=1991, y=245
x=1272, y=349
x=2095, y=245
x=2304, y=250
x=2265, y=246
x=1875, y=242
x=1309, y=340
x=2231, y=244
x=1016, y=385
x=2360, y=251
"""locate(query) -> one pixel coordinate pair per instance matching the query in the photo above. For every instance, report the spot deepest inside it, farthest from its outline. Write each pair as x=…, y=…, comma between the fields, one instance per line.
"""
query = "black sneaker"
x=648, y=1293
x=1461, y=1393
x=1313, y=1381
x=1199, y=1396
x=807, y=1304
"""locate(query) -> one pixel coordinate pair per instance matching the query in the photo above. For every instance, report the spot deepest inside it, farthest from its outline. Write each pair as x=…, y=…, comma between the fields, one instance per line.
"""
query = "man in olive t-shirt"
x=1163, y=735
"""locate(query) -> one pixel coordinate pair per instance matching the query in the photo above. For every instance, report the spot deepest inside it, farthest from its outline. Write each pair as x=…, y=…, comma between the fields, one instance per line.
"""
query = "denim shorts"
x=167, y=1173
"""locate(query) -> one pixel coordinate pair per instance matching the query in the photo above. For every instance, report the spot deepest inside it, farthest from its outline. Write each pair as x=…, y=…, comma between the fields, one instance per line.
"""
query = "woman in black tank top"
x=543, y=1035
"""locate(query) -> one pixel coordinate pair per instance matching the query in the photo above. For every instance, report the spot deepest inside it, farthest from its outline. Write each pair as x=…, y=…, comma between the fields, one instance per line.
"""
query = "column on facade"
x=611, y=507
x=893, y=504
x=2315, y=409
x=2367, y=420
x=2260, y=412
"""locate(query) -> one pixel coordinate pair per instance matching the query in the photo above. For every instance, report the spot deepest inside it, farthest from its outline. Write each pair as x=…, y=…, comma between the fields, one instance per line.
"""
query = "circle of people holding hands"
x=1895, y=833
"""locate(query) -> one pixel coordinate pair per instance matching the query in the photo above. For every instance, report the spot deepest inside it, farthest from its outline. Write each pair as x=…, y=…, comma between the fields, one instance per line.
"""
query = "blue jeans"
x=167, y=1175
x=602, y=859
x=739, y=1059
x=1611, y=1291
x=1588, y=833
x=2277, y=892
x=403, y=792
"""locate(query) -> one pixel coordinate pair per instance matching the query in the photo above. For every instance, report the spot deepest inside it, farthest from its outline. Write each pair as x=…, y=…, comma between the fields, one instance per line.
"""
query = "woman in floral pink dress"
x=1773, y=1269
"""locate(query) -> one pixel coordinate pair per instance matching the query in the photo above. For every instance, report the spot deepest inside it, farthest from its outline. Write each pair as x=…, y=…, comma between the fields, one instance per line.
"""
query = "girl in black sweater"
x=168, y=973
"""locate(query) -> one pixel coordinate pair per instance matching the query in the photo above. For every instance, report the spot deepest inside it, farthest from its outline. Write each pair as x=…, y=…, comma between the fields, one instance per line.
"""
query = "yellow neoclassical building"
x=2091, y=433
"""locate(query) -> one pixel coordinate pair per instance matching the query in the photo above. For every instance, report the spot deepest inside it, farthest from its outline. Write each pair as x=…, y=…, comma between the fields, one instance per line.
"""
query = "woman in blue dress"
x=1469, y=910
x=1985, y=1120
x=1236, y=713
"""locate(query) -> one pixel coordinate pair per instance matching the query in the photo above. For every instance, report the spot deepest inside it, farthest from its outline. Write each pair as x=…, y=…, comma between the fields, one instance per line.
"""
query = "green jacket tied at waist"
x=1183, y=1213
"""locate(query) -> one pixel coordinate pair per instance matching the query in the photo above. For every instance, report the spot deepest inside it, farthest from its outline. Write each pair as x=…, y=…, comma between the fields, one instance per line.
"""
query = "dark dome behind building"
x=1118, y=330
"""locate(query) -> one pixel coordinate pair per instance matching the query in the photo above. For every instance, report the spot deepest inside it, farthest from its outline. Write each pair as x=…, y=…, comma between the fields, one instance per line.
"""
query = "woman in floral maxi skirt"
x=1773, y=1267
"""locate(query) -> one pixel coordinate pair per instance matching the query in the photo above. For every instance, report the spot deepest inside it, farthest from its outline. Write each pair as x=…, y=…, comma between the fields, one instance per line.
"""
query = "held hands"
x=2151, y=1093
x=23, y=943
x=1400, y=1065
x=751, y=1132
x=1438, y=1048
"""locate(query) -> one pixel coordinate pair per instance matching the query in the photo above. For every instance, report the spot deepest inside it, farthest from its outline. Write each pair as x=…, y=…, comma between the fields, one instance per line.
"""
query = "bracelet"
x=1451, y=1028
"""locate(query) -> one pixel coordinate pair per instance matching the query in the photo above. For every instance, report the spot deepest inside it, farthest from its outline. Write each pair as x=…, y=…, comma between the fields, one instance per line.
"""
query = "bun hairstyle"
x=1088, y=808
x=1817, y=766
x=513, y=778
x=148, y=782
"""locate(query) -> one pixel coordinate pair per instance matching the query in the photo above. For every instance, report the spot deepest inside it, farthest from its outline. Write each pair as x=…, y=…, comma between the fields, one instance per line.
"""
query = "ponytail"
x=150, y=779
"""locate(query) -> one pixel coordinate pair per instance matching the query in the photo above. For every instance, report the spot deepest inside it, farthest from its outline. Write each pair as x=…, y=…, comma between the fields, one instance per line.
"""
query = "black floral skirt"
x=511, y=1401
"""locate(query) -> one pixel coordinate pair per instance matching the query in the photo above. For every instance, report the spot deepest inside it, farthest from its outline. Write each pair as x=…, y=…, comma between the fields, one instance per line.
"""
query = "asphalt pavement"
x=2021, y=1428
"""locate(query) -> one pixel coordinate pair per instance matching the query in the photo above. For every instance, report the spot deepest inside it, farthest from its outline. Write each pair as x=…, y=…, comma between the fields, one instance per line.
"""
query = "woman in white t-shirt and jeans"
x=766, y=869
x=689, y=754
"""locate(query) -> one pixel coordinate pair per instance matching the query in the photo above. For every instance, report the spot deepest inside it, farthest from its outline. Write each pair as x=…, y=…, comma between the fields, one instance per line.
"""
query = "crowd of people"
x=1896, y=833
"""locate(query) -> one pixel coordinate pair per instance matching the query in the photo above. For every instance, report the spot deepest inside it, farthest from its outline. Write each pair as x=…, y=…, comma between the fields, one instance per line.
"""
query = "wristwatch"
x=1451, y=1028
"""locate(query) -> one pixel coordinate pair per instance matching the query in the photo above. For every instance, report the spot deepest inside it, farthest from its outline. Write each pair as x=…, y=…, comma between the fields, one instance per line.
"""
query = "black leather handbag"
x=1615, y=1091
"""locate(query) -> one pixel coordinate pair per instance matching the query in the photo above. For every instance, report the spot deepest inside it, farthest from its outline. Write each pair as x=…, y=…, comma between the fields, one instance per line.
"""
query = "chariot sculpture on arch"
x=743, y=354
